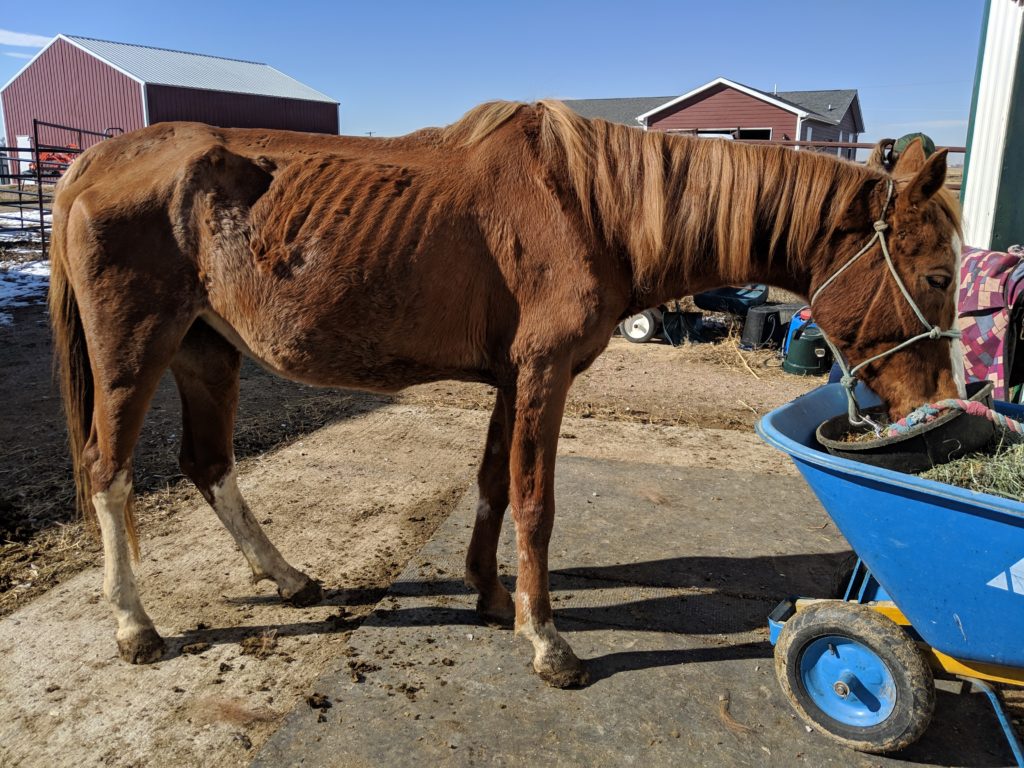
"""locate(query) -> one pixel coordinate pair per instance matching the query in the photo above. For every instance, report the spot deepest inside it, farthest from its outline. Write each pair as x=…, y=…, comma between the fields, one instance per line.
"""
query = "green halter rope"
x=849, y=379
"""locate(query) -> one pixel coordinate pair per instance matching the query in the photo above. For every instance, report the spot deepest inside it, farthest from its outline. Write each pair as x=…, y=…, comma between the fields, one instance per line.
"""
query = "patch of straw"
x=730, y=722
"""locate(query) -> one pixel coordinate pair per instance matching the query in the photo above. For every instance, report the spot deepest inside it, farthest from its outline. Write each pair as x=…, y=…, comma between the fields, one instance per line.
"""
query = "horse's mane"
x=668, y=198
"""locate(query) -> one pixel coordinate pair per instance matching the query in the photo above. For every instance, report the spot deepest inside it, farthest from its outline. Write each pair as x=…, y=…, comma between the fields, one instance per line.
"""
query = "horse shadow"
x=683, y=595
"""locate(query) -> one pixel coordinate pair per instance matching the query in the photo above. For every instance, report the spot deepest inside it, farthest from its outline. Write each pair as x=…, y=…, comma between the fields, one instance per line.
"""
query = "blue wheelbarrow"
x=937, y=590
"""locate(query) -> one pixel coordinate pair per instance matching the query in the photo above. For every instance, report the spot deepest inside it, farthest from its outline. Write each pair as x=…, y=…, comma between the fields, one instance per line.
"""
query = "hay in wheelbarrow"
x=997, y=469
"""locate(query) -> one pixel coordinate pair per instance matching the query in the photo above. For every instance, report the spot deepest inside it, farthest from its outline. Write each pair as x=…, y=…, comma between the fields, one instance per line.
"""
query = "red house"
x=98, y=84
x=728, y=109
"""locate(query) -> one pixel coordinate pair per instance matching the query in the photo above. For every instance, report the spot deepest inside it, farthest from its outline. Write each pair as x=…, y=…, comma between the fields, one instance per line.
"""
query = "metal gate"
x=28, y=176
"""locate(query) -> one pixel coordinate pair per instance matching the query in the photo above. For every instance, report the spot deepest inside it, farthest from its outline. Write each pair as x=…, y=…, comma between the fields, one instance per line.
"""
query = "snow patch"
x=22, y=284
x=21, y=226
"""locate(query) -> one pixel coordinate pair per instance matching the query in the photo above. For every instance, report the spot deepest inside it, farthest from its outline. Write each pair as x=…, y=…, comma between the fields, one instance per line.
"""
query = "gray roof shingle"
x=816, y=103
x=623, y=111
x=161, y=66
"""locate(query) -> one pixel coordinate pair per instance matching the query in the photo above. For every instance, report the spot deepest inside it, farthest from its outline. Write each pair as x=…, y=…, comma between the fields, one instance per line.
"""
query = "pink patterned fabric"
x=990, y=284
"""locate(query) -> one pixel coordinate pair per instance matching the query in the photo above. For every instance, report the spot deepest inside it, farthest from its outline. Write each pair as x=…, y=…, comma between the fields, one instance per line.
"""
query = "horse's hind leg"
x=137, y=639
x=206, y=369
x=127, y=360
x=494, y=604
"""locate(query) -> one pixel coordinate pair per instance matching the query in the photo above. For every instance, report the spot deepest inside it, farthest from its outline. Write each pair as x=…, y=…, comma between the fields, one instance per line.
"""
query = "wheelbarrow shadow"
x=963, y=732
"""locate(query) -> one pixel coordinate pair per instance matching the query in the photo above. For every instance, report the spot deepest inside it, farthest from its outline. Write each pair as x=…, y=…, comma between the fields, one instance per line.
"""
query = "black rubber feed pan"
x=952, y=435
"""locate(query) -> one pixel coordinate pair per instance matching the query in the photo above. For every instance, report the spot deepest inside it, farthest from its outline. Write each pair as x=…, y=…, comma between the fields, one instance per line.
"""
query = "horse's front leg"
x=540, y=400
x=494, y=604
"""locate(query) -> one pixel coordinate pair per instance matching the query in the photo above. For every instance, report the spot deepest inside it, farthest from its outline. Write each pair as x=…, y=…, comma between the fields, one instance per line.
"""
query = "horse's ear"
x=879, y=157
x=929, y=178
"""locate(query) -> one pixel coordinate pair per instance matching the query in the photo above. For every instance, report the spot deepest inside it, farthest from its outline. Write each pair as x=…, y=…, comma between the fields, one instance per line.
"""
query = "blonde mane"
x=674, y=201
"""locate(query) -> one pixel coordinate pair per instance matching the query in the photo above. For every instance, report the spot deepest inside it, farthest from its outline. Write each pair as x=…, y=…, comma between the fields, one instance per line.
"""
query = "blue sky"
x=399, y=65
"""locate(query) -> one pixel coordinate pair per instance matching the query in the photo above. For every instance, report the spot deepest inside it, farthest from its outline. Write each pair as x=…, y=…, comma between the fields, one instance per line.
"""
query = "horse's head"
x=868, y=314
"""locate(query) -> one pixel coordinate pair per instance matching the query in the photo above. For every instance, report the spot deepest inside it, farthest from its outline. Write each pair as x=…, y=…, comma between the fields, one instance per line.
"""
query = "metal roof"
x=161, y=66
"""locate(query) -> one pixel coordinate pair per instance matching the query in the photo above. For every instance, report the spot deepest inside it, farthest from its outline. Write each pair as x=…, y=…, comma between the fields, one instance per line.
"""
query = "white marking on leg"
x=264, y=559
x=544, y=636
x=118, y=580
x=551, y=651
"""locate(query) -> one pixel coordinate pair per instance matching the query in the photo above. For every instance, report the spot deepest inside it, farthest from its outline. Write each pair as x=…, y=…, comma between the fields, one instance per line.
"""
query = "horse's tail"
x=70, y=357
x=880, y=158
x=71, y=363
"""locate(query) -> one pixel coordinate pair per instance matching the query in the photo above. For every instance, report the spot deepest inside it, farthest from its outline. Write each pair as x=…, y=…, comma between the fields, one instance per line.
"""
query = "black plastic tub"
x=766, y=325
x=952, y=435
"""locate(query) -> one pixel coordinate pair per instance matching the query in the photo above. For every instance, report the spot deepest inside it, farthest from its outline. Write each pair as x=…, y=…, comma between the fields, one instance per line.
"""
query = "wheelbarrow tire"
x=642, y=327
x=856, y=675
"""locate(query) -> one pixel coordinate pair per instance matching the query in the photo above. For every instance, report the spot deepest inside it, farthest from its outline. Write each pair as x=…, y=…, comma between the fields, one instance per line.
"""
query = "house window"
x=810, y=133
x=756, y=134
x=715, y=133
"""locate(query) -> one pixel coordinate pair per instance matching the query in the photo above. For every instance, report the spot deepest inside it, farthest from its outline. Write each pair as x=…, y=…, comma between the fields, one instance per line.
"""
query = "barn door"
x=24, y=158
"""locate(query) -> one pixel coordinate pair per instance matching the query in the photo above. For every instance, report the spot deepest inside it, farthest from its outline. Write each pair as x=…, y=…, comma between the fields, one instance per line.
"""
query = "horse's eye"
x=939, y=281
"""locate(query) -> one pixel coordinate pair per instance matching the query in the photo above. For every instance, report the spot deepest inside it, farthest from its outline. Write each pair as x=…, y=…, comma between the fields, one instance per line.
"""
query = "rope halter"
x=849, y=379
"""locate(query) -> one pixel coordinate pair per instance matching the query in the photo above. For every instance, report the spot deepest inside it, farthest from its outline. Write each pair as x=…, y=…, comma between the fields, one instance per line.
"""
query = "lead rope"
x=849, y=378
x=932, y=411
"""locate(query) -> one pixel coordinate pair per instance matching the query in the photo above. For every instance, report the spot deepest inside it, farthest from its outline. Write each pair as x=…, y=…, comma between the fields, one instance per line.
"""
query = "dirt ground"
x=349, y=485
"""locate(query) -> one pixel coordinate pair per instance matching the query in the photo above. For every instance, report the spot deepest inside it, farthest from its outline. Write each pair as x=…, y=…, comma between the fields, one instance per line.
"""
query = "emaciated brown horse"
x=503, y=249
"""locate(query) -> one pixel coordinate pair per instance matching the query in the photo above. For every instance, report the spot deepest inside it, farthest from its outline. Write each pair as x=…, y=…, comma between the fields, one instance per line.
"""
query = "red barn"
x=727, y=109
x=97, y=84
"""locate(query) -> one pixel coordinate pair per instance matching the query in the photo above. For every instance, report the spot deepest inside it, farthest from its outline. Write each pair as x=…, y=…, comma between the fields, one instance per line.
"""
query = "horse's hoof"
x=497, y=613
x=310, y=593
x=562, y=670
x=141, y=648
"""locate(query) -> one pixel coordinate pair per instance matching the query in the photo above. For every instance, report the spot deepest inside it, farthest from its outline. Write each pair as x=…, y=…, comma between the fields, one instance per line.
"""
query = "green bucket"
x=808, y=354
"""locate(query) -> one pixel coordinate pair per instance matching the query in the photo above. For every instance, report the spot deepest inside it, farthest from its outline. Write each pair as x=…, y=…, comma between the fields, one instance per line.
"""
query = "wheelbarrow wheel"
x=854, y=674
x=642, y=327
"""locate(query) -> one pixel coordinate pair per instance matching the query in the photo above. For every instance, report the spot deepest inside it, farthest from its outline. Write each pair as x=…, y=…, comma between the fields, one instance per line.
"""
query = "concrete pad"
x=662, y=578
